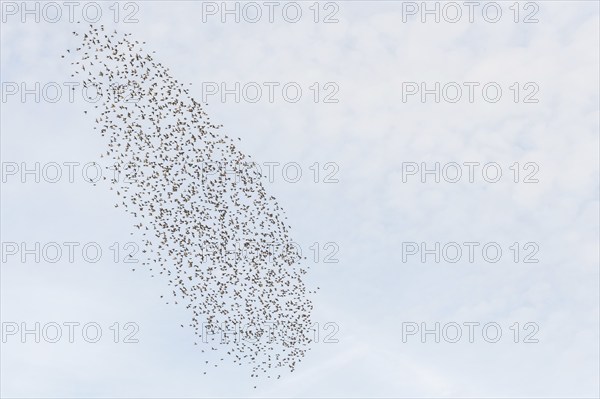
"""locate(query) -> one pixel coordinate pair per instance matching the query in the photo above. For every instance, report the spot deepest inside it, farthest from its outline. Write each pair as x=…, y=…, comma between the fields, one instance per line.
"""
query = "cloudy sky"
x=518, y=94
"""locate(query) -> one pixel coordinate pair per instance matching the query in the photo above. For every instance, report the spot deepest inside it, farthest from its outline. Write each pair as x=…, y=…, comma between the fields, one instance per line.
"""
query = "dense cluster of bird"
x=192, y=210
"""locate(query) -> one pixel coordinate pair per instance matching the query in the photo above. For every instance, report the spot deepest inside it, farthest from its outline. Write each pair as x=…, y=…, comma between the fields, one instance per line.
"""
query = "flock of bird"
x=191, y=210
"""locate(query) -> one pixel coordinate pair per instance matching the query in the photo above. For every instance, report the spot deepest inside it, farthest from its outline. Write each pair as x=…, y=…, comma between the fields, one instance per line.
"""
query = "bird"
x=220, y=243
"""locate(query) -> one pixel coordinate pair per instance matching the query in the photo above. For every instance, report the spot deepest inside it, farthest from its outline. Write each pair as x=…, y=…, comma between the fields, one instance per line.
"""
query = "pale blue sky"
x=369, y=133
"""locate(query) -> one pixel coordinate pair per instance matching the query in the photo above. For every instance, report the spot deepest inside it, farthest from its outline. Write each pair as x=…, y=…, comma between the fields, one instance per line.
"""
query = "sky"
x=368, y=121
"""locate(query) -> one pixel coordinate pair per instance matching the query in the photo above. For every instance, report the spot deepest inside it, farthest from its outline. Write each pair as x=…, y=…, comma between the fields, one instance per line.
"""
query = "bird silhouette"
x=216, y=237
